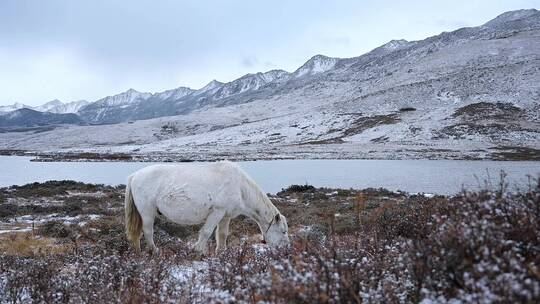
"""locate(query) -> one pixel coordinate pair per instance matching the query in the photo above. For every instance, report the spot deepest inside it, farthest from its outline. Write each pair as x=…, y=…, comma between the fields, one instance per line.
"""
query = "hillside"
x=30, y=118
x=469, y=93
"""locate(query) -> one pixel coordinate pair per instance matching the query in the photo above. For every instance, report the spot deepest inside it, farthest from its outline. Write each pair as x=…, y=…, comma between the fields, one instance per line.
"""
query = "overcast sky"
x=74, y=50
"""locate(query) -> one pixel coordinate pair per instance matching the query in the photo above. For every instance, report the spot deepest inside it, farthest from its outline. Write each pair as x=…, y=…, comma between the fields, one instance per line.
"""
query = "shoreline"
x=499, y=154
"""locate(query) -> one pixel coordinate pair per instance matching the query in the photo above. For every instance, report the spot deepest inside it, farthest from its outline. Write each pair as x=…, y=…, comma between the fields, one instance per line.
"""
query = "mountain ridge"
x=54, y=106
x=25, y=117
x=463, y=93
x=319, y=64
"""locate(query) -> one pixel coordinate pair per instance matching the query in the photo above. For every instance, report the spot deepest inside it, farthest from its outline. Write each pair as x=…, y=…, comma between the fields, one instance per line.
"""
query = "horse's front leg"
x=206, y=231
x=222, y=232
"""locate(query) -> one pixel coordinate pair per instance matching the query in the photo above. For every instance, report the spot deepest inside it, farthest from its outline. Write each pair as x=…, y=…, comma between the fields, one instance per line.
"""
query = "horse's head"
x=277, y=233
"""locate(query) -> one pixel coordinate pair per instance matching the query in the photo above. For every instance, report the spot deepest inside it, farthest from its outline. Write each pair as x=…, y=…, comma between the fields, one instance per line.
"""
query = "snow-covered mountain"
x=316, y=65
x=58, y=107
x=132, y=105
x=249, y=82
x=125, y=98
x=72, y=107
x=211, y=87
x=12, y=107
x=28, y=118
x=174, y=93
x=393, y=45
x=475, y=89
x=100, y=110
x=50, y=106
x=274, y=75
x=53, y=106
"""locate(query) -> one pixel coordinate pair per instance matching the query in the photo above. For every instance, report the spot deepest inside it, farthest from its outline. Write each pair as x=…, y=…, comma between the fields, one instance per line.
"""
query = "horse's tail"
x=133, y=218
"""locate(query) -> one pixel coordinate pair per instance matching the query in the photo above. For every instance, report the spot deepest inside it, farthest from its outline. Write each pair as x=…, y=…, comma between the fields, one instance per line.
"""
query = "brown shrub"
x=50, y=188
x=296, y=188
x=56, y=229
x=8, y=210
x=27, y=244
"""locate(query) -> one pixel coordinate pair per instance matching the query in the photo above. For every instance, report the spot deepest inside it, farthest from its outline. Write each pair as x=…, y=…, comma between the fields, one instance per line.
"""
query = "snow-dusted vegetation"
x=349, y=246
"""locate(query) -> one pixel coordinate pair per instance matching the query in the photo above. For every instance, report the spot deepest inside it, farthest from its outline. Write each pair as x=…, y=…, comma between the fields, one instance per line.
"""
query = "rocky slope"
x=459, y=94
x=30, y=118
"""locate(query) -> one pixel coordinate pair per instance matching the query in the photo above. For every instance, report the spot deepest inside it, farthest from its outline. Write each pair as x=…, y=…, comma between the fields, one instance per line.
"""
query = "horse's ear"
x=277, y=217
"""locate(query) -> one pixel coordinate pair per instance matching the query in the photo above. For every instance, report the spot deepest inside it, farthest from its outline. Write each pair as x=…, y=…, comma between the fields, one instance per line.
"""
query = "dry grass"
x=29, y=245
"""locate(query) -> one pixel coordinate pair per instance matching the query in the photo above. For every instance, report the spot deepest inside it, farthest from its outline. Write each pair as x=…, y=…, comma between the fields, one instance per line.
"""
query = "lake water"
x=428, y=176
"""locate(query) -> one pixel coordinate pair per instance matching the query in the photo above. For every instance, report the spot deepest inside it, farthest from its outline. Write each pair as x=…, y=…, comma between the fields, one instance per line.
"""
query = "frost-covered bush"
x=476, y=247
x=89, y=278
x=488, y=251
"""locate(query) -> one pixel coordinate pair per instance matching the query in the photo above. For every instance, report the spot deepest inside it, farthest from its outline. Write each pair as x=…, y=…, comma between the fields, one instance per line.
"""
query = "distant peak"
x=265, y=77
x=395, y=44
x=135, y=94
x=319, y=57
x=211, y=85
x=176, y=93
x=513, y=16
x=517, y=14
x=14, y=106
x=215, y=82
x=54, y=102
x=271, y=73
x=275, y=71
x=315, y=65
x=180, y=88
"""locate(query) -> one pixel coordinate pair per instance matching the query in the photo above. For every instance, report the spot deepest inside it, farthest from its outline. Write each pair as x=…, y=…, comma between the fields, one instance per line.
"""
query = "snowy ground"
x=306, y=131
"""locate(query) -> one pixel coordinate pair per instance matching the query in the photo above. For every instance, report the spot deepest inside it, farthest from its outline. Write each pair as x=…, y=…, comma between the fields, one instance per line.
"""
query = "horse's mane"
x=254, y=192
x=259, y=194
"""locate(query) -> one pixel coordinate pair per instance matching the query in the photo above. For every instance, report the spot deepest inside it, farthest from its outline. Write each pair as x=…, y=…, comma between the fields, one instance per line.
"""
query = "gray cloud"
x=249, y=61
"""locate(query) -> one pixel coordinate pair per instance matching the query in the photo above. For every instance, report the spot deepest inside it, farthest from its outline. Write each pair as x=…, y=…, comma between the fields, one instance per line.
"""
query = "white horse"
x=189, y=194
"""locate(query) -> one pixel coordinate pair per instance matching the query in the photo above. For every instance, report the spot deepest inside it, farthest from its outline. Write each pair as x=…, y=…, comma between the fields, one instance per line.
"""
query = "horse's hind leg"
x=148, y=230
x=222, y=231
x=206, y=231
x=137, y=244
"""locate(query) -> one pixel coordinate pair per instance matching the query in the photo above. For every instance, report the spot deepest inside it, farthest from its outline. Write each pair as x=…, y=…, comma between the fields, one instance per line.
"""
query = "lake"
x=428, y=176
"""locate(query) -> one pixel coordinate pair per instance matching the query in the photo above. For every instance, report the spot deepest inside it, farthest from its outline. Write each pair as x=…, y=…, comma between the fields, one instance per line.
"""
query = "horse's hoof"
x=199, y=254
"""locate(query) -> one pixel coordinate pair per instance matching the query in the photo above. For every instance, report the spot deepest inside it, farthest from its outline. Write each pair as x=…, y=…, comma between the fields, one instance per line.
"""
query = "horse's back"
x=185, y=192
x=191, y=171
x=190, y=179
